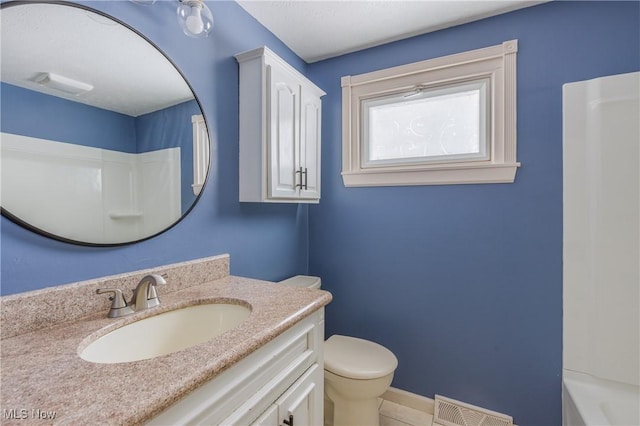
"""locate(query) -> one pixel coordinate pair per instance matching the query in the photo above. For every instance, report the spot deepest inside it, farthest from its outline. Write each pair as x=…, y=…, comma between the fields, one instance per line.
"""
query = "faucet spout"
x=145, y=295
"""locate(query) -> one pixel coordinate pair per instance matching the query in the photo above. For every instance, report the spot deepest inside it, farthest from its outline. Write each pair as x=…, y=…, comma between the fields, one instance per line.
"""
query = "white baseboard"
x=408, y=399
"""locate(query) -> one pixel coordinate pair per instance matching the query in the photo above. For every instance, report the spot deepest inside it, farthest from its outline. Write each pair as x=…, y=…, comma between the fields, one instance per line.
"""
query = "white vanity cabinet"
x=299, y=405
x=281, y=379
x=280, y=120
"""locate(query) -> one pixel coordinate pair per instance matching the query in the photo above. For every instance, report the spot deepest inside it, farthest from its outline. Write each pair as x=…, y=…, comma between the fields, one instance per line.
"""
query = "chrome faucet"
x=144, y=296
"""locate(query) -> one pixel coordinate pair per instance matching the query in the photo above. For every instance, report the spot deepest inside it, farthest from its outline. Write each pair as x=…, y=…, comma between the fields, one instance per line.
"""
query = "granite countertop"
x=42, y=373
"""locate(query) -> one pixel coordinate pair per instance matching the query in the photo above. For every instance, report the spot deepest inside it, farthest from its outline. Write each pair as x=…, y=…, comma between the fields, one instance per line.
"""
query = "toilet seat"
x=355, y=358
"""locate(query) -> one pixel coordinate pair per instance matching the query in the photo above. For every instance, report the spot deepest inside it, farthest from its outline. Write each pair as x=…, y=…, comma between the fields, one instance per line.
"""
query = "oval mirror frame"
x=144, y=164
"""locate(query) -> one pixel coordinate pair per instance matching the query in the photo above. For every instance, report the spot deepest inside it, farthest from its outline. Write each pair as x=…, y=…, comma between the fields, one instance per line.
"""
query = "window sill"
x=448, y=174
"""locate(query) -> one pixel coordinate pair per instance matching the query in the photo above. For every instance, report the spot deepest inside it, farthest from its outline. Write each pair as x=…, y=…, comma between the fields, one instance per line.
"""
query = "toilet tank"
x=307, y=281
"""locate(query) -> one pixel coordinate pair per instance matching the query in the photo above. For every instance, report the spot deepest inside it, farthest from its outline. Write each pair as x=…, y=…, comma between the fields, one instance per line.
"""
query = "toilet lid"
x=306, y=281
x=357, y=358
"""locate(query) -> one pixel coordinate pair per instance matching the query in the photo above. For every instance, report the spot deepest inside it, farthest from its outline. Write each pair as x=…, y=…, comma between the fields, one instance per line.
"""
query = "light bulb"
x=195, y=18
x=194, y=21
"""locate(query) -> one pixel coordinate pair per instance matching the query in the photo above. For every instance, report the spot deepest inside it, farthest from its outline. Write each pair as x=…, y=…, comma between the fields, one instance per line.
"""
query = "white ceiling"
x=84, y=46
x=319, y=29
x=87, y=47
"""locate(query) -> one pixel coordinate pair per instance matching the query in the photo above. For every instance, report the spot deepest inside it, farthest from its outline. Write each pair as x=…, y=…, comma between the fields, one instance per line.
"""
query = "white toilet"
x=356, y=372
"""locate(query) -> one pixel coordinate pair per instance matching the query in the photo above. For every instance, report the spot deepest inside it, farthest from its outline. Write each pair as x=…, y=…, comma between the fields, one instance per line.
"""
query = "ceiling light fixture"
x=62, y=83
x=194, y=17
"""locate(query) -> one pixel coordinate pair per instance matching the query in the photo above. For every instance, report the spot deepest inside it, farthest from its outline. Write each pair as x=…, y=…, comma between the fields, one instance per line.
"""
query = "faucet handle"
x=119, y=307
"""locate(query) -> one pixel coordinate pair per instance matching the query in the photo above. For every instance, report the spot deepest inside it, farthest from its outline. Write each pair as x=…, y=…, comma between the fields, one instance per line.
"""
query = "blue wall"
x=265, y=241
x=464, y=283
x=29, y=113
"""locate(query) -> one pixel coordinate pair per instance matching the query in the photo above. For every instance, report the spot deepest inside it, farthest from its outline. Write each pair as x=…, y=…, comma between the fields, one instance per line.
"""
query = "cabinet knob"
x=290, y=421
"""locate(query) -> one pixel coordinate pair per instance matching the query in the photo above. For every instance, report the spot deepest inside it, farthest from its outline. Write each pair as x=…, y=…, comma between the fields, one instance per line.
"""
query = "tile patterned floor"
x=392, y=414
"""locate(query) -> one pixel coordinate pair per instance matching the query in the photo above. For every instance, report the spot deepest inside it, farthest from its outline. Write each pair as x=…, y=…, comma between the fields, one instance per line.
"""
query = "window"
x=441, y=121
x=426, y=125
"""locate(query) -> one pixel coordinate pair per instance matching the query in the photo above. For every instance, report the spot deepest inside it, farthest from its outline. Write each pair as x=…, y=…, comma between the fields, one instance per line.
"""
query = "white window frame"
x=495, y=64
x=200, y=152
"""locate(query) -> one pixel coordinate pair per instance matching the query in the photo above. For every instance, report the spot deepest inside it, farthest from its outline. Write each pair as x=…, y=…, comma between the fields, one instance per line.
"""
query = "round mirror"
x=102, y=140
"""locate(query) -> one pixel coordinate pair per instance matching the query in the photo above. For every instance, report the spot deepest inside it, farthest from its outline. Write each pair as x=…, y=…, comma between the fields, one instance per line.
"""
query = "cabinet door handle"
x=299, y=185
x=290, y=421
x=303, y=175
x=305, y=178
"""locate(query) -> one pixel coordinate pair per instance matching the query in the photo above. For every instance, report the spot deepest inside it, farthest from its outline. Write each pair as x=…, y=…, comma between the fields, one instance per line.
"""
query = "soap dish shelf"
x=117, y=215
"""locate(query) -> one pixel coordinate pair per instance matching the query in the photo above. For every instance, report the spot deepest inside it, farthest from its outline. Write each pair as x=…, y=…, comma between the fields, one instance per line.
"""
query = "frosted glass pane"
x=426, y=128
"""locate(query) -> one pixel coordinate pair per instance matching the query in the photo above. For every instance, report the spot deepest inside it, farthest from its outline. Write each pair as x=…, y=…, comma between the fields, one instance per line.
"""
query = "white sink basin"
x=165, y=333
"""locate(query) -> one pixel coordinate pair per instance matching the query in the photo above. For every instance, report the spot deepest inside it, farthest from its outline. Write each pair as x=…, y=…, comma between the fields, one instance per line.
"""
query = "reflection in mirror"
x=102, y=140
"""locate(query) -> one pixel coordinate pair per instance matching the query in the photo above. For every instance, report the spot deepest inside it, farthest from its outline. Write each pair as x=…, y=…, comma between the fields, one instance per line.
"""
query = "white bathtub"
x=590, y=401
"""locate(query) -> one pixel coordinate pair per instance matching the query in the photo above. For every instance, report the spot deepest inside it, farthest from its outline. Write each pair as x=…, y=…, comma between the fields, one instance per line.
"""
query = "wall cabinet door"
x=309, y=159
x=284, y=128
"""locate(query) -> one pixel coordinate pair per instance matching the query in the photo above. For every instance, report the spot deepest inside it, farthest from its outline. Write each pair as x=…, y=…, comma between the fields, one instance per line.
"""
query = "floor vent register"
x=449, y=412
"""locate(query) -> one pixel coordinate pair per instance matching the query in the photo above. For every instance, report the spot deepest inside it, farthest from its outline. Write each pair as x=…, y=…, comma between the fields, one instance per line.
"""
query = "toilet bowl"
x=356, y=372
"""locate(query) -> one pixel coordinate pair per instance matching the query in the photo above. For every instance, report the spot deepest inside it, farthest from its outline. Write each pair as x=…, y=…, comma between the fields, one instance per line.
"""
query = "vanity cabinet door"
x=302, y=403
x=268, y=418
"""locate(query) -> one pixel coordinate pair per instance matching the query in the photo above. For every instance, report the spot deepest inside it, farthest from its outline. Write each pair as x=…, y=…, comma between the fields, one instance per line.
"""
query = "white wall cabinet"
x=280, y=120
x=283, y=378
